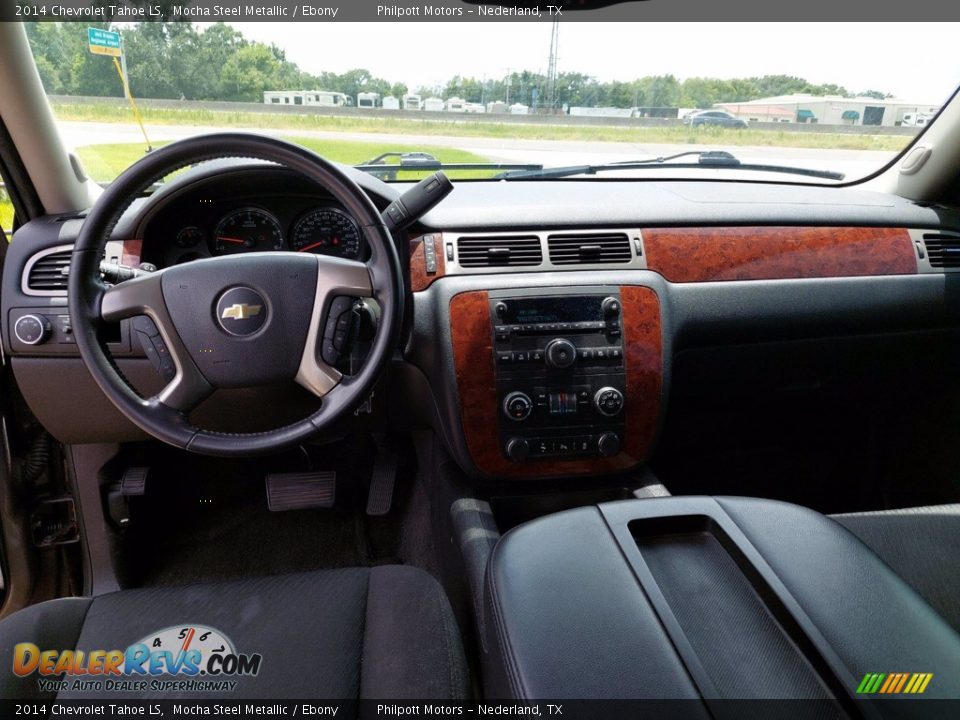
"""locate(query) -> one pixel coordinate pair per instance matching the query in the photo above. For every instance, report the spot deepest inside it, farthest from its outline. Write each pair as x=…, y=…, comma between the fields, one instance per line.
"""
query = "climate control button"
x=517, y=406
x=608, y=401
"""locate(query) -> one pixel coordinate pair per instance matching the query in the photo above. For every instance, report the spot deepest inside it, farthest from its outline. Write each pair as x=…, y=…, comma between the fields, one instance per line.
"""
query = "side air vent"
x=589, y=248
x=499, y=251
x=943, y=249
x=49, y=273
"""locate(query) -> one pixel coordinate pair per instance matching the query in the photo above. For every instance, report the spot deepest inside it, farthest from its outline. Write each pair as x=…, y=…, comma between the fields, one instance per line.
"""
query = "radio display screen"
x=563, y=309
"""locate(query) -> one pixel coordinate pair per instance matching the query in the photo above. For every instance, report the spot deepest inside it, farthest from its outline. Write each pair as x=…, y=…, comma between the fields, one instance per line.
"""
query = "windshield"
x=755, y=101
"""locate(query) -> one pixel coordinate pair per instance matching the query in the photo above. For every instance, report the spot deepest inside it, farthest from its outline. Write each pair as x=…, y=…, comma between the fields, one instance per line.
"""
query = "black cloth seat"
x=354, y=633
x=921, y=545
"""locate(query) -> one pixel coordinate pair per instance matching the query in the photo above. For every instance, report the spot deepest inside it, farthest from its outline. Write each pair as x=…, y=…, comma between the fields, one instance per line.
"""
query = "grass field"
x=104, y=162
x=463, y=127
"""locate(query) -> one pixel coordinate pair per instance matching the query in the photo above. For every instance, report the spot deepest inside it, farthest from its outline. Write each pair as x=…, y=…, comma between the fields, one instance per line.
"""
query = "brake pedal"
x=382, y=481
x=298, y=491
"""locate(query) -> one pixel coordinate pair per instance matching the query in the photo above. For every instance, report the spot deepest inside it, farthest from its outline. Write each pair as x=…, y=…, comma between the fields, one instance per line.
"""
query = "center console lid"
x=707, y=599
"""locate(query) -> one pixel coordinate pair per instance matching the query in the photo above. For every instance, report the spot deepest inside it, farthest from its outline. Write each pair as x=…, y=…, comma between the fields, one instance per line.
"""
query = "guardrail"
x=446, y=117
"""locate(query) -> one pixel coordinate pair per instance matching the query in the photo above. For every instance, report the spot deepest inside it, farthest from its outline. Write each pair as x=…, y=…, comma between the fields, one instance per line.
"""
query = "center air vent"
x=49, y=272
x=589, y=248
x=499, y=251
x=943, y=249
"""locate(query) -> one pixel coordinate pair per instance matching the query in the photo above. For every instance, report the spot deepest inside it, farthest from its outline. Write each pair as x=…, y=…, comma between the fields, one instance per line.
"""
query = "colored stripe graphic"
x=894, y=683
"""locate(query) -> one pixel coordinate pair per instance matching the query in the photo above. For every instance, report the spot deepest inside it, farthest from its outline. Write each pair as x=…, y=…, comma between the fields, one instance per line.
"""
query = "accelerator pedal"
x=298, y=491
x=382, y=481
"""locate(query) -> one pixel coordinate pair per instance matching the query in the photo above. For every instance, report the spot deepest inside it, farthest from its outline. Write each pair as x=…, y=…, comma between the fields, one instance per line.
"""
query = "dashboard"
x=545, y=319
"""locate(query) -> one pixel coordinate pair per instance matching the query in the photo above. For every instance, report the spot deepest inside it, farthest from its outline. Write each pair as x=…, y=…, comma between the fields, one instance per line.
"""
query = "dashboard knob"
x=500, y=309
x=608, y=401
x=518, y=449
x=560, y=353
x=517, y=406
x=609, y=444
x=610, y=306
x=32, y=329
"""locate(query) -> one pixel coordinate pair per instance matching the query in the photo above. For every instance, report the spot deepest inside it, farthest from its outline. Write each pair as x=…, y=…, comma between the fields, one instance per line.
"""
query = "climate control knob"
x=609, y=444
x=610, y=307
x=608, y=401
x=517, y=406
x=32, y=329
x=560, y=353
x=518, y=449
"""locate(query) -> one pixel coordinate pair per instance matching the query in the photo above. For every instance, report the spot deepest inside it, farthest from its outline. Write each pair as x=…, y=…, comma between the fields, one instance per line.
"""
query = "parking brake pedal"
x=298, y=491
x=382, y=481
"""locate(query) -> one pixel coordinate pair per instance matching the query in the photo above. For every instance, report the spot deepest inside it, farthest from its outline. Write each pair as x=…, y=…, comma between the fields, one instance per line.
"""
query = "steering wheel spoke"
x=144, y=296
x=336, y=278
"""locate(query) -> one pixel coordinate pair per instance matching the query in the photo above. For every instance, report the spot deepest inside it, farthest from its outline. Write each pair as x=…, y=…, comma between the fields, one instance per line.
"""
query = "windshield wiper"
x=705, y=158
x=379, y=167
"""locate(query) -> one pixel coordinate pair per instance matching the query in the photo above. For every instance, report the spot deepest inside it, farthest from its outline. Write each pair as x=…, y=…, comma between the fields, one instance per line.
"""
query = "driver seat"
x=352, y=633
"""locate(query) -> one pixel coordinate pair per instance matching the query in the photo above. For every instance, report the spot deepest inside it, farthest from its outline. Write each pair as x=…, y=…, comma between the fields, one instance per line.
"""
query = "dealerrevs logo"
x=186, y=657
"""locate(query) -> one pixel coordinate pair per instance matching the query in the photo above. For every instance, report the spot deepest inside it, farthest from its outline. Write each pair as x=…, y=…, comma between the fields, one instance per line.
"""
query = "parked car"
x=714, y=118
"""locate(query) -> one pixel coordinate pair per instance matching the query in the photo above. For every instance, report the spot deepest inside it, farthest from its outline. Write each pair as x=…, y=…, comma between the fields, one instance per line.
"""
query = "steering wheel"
x=238, y=320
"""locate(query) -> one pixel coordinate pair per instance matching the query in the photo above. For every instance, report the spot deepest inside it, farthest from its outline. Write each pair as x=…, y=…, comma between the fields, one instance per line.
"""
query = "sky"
x=918, y=62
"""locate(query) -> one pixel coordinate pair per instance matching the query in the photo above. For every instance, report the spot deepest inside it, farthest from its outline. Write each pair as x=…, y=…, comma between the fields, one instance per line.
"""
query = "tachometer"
x=327, y=231
x=245, y=230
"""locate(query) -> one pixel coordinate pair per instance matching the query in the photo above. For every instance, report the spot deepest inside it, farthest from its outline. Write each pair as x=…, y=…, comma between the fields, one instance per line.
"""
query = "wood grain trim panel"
x=132, y=252
x=419, y=279
x=710, y=254
x=472, y=341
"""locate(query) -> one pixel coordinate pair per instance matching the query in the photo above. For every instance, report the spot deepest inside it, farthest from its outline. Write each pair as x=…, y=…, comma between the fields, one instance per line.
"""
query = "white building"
x=433, y=104
x=830, y=110
x=411, y=102
x=391, y=103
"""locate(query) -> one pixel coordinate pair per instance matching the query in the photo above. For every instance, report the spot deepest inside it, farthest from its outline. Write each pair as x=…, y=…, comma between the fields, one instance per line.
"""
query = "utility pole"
x=552, y=67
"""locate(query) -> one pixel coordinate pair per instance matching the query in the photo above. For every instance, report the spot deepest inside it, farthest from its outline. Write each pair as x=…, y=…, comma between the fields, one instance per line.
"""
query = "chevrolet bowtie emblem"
x=240, y=311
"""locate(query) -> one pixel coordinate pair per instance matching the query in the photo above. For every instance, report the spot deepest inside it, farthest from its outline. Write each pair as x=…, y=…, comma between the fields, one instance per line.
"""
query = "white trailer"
x=391, y=103
x=456, y=105
x=313, y=98
x=433, y=104
x=412, y=102
x=519, y=109
x=497, y=108
x=368, y=100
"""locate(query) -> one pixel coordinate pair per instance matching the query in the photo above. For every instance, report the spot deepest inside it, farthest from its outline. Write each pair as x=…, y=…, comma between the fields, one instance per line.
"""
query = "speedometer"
x=245, y=230
x=327, y=231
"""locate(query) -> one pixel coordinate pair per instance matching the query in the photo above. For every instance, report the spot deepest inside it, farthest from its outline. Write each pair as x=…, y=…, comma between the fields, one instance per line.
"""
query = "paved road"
x=546, y=152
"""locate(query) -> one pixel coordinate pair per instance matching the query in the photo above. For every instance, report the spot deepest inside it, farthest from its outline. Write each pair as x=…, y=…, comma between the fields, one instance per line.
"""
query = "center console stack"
x=559, y=361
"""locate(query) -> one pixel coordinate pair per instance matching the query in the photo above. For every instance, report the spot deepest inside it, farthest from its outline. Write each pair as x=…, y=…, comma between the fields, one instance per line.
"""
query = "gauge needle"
x=232, y=240
x=311, y=247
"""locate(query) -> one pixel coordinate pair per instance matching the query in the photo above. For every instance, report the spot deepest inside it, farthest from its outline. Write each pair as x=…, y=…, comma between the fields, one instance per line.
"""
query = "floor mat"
x=207, y=519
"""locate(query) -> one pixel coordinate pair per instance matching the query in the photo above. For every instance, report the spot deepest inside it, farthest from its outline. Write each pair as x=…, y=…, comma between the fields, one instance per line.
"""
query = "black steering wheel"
x=239, y=320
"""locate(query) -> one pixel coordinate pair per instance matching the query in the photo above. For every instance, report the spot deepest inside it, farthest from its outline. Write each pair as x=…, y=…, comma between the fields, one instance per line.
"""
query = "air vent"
x=49, y=272
x=499, y=251
x=943, y=249
x=589, y=248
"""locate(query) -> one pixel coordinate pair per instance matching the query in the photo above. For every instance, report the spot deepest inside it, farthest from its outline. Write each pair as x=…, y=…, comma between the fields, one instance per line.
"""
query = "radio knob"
x=610, y=307
x=608, y=401
x=517, y=406
x=560, y=353
x=518, y=449
x=32, y=329
x=500, y=309
x=609, y=444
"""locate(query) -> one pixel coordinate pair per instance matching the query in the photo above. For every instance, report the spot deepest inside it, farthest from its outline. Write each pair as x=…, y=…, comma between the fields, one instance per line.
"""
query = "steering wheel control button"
x=517, y=406
x=32, y=329
x=608, y=401
x=241, y=311
x=560, y=353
